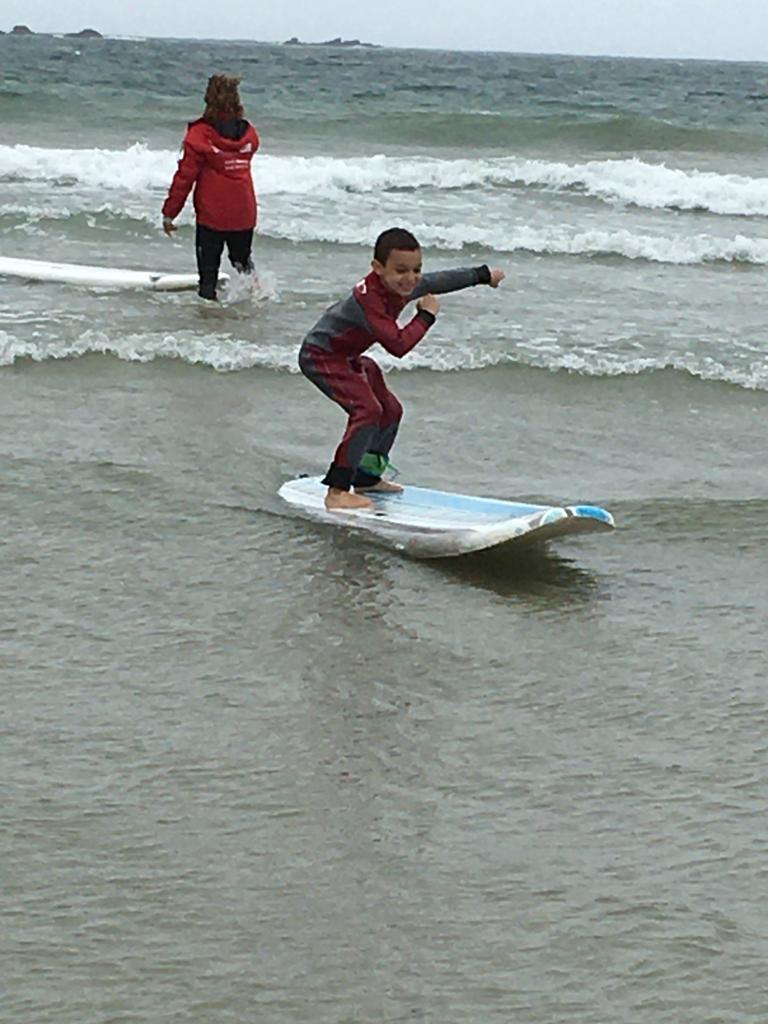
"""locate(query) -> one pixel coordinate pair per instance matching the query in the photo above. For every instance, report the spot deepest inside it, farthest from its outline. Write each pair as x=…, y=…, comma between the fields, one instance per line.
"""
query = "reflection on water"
x=524, y=571
x=519, y=570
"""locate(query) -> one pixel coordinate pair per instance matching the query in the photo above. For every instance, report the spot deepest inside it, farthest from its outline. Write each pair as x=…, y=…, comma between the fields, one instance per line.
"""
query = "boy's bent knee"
x=368, y=413
x=393, y=410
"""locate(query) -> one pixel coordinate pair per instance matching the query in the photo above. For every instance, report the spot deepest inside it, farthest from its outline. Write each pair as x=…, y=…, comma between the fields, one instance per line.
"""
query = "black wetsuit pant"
x=209, y=245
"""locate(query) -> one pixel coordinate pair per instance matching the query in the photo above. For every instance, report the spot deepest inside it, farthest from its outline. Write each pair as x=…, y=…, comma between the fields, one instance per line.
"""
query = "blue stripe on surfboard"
x=592, y=512
x=490, y=508
x=418, y=507
x=495, y=507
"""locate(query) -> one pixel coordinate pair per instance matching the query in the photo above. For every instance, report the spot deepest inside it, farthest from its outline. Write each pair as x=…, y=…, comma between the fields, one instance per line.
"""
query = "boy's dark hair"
x=393, y=238
x=222, y=99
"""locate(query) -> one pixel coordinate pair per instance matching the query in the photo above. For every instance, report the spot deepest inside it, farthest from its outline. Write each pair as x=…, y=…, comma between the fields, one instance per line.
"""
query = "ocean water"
x=254, y=769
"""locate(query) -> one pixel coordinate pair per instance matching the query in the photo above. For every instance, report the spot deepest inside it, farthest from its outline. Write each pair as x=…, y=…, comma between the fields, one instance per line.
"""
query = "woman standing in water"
x=216, y=162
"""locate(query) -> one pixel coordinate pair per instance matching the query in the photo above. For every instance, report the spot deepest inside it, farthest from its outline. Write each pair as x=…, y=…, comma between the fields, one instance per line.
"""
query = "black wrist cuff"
x=483, y=274
x=426, y=316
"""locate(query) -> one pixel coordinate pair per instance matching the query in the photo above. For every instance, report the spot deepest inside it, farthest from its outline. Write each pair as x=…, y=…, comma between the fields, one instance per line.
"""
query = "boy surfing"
x=331, y=357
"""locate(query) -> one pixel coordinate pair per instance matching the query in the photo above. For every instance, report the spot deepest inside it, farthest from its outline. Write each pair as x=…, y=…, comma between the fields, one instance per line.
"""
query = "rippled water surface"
x=255, y=769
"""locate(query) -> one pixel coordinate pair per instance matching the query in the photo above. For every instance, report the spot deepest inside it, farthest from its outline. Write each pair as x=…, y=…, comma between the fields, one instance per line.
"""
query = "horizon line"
x=362, y=44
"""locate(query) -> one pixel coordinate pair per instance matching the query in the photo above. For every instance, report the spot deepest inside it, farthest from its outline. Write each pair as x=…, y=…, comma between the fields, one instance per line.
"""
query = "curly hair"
x=222, y=99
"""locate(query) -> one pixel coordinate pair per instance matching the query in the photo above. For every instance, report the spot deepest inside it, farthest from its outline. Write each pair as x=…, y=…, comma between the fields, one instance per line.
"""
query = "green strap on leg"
x=374, y=464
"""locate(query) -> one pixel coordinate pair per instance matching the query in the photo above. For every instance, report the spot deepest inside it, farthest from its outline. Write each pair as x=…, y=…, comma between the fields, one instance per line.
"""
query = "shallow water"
x=258, y=769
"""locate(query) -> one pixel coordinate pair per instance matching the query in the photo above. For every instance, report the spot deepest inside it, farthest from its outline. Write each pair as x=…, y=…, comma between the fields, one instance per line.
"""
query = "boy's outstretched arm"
x=443, y=281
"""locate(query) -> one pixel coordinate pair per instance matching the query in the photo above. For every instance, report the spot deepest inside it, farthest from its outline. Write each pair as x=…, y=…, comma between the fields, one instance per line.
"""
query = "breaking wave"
x=625, y=182
x=225, y=353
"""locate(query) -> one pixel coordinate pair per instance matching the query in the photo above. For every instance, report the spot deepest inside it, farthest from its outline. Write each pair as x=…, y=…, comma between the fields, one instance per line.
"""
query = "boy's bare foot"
x=385, y=486
x=337, y=499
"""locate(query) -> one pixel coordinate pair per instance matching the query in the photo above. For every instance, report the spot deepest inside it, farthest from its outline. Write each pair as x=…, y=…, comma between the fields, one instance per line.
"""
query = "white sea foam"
x=224, y=353
x=636, y=182
x=218, y=351
x=134, y=168
x=554, y=240
x=307, y=203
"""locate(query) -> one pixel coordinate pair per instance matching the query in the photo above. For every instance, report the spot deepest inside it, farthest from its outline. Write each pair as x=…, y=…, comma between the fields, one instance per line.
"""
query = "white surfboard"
x=437, y=524
x=97, y=277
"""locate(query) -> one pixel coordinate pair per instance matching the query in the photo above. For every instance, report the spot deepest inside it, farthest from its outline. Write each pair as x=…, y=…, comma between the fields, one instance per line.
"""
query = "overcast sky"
x=729, y=29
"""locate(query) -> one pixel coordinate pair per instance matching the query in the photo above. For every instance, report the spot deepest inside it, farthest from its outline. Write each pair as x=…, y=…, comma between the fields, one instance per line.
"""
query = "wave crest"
x=223, y=353
x=625, y=182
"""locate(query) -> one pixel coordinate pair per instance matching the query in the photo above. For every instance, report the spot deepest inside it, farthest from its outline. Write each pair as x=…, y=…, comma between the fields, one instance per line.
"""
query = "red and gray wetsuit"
x=331, y=356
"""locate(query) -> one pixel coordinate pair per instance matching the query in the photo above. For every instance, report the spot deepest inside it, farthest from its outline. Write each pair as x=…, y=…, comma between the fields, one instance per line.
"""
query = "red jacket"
x=220, y=170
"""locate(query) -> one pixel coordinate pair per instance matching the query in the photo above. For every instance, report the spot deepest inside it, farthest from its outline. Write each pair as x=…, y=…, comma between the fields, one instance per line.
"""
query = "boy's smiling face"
x=402, y=271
